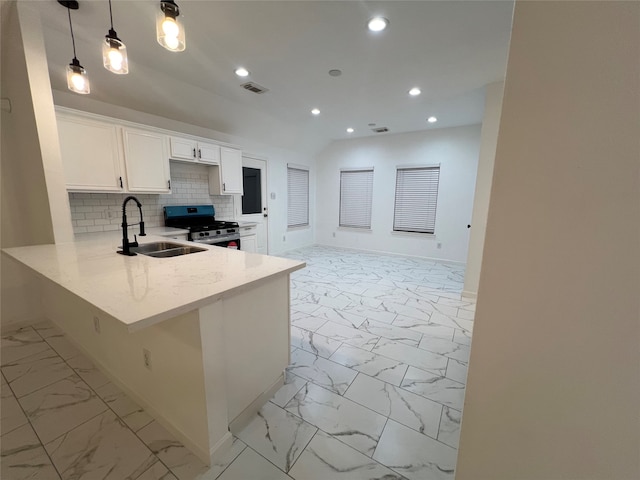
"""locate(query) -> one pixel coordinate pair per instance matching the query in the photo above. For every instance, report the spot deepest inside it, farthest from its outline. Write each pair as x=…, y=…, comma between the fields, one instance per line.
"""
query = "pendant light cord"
x=110, y=14
x=73, y=40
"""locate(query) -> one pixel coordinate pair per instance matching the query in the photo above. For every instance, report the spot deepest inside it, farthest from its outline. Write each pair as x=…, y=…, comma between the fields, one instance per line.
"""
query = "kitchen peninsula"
x=199, y=340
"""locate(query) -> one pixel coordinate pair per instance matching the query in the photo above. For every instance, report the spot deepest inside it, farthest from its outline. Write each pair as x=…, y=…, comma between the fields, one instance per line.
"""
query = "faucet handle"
x=135, y=241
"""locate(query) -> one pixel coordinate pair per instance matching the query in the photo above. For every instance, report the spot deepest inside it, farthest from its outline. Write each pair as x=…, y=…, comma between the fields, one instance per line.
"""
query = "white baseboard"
x=381, y=252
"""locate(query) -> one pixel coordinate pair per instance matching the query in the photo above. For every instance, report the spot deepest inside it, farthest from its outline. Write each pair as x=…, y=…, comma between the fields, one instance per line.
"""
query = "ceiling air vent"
x=380, y=130
x=254, y=87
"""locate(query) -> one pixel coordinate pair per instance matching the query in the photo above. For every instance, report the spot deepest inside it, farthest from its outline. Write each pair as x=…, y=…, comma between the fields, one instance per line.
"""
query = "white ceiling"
x=450, y=49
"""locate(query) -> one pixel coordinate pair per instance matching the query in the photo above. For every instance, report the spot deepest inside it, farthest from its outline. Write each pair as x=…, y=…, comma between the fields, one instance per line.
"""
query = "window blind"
x=356, y=189
x=297, y=197
x=416, y=199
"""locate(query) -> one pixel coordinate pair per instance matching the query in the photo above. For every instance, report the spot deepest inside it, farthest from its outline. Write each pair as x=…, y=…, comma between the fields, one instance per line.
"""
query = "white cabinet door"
x=231, y=166
x=183, y=148
x=147, y=162
x=90, y=154
x=208, y=153
x=249, y=244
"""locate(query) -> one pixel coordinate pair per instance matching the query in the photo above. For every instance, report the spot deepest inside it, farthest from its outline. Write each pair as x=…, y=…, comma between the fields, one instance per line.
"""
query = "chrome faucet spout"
x=125, y=238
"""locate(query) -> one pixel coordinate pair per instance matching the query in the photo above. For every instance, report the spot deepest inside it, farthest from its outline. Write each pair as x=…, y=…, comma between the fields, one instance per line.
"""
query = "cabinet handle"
x=199, y=153
x=169, y=182
x=194, y=153
x=121, y=186
x=224, y=188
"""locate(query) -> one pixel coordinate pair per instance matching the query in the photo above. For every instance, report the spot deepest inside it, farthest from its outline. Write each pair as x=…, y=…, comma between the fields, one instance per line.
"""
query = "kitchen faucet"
x=125, y=239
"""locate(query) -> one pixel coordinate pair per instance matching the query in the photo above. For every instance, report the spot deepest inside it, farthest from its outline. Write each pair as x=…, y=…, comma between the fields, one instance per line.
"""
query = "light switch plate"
x=273, y=195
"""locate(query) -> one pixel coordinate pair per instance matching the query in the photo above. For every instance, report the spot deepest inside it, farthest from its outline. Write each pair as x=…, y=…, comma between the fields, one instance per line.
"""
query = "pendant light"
x=114, y=52
x=77, y=78
x=169, y=29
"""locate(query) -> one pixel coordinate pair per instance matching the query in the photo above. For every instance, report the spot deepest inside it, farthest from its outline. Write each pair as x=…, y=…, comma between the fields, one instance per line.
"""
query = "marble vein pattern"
x=449, y=431
x=413, y=455
x=457, y=371
x=391, y=332
x=277, y=435
x=28, y=374
x=411, y=410
x=353, y=424
x=327, y=458
x=250, y=465
x=313, y=342
x=11, y=415
x=322, y=372
x=103, y=447
x=21, y=343
x=374, y=365
x=434, y=387
x=411, y=355
x=130, y=412
x=449, y=349
x=23, y=457
x=182, y=463
x=352, y=336
x=157, y=471
x=88, y=371
x=60, y=407
x=292, y=385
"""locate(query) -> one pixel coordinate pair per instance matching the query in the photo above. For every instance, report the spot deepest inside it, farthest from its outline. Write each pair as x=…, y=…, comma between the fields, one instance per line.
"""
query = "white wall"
x=455, y=149
x=488, y=141
x=554, y=377
x=277, y=159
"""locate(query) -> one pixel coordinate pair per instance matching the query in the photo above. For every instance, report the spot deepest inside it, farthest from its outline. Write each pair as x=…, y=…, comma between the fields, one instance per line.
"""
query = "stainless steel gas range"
x=203, y=227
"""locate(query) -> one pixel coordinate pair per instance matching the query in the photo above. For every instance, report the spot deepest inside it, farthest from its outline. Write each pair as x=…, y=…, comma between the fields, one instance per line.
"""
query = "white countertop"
x=141, y=291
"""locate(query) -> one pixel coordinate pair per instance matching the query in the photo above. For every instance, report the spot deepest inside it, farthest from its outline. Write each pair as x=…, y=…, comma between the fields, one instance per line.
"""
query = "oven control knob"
x=206, y=234
x=201, y=234
x=218, y=232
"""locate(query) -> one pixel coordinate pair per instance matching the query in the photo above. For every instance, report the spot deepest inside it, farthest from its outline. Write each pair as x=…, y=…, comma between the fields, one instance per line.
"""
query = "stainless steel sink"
x=165, y=249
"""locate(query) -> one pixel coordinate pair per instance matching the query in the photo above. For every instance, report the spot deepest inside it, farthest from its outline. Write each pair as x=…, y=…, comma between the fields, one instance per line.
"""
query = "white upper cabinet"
x=208, y=153
x=231, y=164
x=189, y=150
x=91, y=154
x=183, y=149
x=147, y=161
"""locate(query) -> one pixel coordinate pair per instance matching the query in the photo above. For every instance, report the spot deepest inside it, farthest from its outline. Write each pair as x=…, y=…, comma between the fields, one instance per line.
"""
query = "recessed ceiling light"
x=335, y=72
x=372, y=124
x=432, y=119
x=415, y=91
x=377, y=24
x=350, y=130
x=242, y=72
x=315, y=111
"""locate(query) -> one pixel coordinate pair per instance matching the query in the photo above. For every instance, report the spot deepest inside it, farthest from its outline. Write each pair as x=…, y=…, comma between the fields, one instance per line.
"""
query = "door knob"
x=265, y=215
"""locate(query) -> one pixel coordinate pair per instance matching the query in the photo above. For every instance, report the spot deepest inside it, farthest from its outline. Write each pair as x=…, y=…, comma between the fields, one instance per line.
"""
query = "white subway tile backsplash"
x=103, y=211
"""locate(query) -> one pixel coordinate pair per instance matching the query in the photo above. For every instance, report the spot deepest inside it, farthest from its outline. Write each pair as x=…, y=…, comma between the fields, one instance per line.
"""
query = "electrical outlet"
x=438, y=245
x=284, y=238
x=146, y=356
x=96, y=325
x=334, y=234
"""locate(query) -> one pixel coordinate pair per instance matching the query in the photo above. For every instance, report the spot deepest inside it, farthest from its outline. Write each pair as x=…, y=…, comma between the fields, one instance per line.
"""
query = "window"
x=252, y=188
x=356, y=189
x=416, y=199
x=297, y=196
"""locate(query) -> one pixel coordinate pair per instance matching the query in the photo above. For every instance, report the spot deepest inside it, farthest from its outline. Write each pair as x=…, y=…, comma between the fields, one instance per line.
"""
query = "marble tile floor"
x=375, y=389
